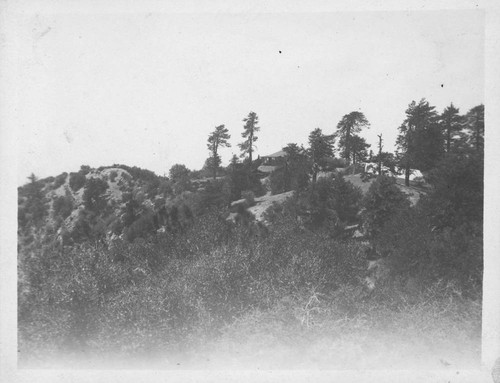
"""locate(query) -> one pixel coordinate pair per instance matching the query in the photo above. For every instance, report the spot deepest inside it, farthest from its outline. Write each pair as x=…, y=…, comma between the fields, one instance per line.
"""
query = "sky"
x=146, y=89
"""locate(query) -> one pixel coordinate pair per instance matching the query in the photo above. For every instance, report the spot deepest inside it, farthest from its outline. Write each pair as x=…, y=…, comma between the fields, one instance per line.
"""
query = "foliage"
x=387, y=159
x=458, y=190
x=278, y=181
x=475, y=127
x=217, y=139
x=381, y=202
x=349, y=126
x=451, y=123
x=94, y=195
x=333, y=163
x=297, y=168
x=249, y=197
x=77, y=181
x=249, y=130
x=357, y=147
x=216, y=194
x=334, y=203
x=60, y=180
x=420, y=142
x=241, y=177
x=142, y=227
x=63, y=206
x=136, y=173
x=178, y=172
x=34, y=209
x=419, y=253
x=134, y=298
x=320, y=147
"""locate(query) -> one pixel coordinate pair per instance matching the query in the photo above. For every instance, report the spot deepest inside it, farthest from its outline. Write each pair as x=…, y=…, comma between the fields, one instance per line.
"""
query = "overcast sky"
x=146, y=89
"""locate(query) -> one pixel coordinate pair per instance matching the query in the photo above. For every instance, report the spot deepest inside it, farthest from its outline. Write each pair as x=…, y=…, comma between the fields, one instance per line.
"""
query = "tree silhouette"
x=320, y=148
x=420, y=141
x=178, y=171
x=218, y=138
x=475, y=123
x=296, y=167
x=250, y=129
x=451, y=123
x=358, y=149
x=348, y=126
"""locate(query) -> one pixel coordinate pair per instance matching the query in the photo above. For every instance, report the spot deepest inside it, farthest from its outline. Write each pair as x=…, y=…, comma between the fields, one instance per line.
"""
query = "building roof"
x=281, y=153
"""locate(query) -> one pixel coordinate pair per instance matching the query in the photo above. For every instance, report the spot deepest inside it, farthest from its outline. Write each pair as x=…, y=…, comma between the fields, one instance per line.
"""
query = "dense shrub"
x=346, y=199
x=243, y=177
x=63, y=206
x=77, y=181
x=334, y=203
x=458, y=188
x=382, y=201
x=60, y=180
x=277, y=181
x=142, y=227
x=94, y=194
x=216, y=194
x=112, y=175
x=417, y=252
x=33, y=208
x=249, y=197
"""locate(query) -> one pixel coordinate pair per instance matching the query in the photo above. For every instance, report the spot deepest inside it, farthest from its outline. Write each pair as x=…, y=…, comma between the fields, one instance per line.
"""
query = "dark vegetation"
x=159, y=270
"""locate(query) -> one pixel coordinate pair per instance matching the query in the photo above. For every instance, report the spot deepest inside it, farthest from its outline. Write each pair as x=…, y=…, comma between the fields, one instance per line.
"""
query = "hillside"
x=116, y=263
x=129, y=202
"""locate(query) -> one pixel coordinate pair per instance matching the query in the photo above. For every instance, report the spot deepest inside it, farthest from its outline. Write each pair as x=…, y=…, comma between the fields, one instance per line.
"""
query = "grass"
x=201, y=299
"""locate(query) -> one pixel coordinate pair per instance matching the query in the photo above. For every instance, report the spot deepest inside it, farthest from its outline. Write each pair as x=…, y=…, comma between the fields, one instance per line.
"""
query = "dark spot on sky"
x=442, y=85
x=279, y=52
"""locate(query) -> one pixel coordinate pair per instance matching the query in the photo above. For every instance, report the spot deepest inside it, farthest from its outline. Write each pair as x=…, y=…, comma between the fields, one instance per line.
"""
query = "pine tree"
x=420, y=141
x=250, y=128
x=320, y=148
x=348, y=126
x=217, y=139
x=475, y=124
x=451, y=123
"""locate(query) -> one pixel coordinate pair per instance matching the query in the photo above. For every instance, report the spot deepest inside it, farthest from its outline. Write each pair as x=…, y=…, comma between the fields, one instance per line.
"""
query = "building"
x=272, y=162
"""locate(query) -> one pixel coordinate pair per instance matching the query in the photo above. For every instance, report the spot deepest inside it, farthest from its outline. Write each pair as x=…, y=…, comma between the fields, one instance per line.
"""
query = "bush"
x=60, y=180
x=241, y=177
x=458, y=191
x=277, y=182
x=382, y=201
x=249, y=197
x=216, y=194
x=346, y=199
x=417, y=252
x=112, y=175
x=94, y=195
x=334, y=203
x=140, y=228
x=63, y=206
x=77, y=181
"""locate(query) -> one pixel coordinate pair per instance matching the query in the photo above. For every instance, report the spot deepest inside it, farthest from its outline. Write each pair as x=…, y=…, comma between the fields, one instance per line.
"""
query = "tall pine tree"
x=419, y=142
x=217, y=139
x=451, y=123
x=249, y=130
x=348, y=126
